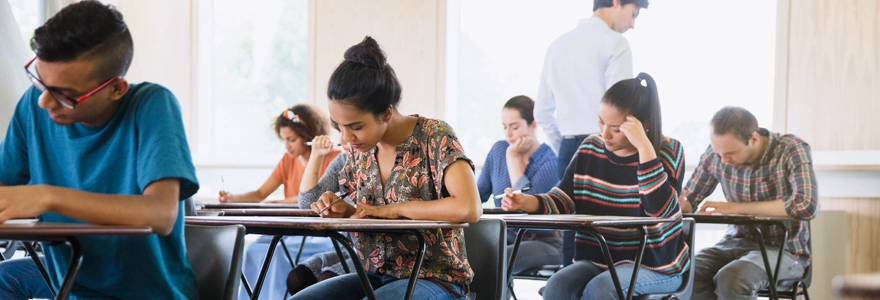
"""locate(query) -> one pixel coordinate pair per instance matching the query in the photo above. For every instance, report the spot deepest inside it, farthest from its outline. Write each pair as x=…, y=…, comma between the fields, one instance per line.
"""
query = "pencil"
x=341, y=198
x=335, y=145
x=515, y=192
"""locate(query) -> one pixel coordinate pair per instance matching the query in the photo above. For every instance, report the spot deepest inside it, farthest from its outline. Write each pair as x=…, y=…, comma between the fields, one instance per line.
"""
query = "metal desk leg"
x=779, y=255
x=638, y=262
x=341, y=257
x=770, y=276
x=359, y=266
x=247, y=286
x=265, y=268
x=417, y=266
x=75, y=261
x=608, y=261
x=33, y=253
x=519, y=236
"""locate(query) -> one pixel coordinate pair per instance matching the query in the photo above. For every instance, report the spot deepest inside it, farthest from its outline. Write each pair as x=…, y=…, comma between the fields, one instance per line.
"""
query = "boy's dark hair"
x=736, y=120
x=631, y=97
x=597, y=4
x=308, y=122
x=365, y=80
x=525, y=106
x=87, y=30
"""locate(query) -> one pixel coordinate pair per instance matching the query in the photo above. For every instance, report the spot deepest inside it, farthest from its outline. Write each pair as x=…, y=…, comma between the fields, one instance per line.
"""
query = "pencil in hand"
x=520, y=191
x=341, y=197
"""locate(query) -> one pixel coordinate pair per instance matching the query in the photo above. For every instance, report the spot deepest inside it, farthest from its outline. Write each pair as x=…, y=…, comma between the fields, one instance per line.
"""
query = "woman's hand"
x=521, y=147
x=382, y=212
x=331, y=206
x=322, y=145
x=635, y=133
x=225, y=197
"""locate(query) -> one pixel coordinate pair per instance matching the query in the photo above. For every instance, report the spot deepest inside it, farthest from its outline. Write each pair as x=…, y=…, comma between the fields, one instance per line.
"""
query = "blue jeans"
x=386, y=287
x=584, y=280
x=275, y=284
x=20, y=279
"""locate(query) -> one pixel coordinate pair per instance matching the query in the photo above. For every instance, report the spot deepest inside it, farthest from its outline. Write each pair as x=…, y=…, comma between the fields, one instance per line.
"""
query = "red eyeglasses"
x=65, y=100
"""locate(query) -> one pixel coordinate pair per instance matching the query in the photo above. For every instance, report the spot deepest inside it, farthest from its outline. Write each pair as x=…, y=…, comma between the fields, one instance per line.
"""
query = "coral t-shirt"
x=290, y=172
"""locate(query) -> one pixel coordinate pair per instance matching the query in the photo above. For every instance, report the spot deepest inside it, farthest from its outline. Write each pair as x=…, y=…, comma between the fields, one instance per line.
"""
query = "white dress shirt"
x=578, y=67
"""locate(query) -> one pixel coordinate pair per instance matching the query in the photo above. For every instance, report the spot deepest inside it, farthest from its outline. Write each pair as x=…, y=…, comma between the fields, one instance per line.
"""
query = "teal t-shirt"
x=143, y=142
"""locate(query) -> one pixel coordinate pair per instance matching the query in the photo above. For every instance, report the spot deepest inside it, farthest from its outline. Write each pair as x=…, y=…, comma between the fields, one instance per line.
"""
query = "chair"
x=792, y=288
x=487, y=252
x=687, y=278
x=215, y=253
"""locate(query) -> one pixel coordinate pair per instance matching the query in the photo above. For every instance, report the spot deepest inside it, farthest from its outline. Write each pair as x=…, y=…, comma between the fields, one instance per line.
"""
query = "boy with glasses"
x=85, y=145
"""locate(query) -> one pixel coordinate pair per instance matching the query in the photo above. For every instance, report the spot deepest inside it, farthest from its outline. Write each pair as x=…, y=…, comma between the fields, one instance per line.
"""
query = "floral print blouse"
x=417, y=176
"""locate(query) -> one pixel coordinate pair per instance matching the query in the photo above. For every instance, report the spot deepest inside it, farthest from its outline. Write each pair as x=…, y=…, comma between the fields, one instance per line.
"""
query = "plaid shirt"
x=785, y=171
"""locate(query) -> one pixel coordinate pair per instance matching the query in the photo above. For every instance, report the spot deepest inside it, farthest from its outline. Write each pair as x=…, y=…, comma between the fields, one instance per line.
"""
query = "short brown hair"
x=525, y=106
x=736, y=120
x=308, y=122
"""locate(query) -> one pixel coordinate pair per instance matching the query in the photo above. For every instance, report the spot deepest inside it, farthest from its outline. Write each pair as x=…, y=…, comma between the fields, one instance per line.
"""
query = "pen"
x=525, y=189
x=335, y=145
x=341, y=197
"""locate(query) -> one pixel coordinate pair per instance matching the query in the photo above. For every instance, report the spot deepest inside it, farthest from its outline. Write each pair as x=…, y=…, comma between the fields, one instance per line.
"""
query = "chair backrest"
x=189, y=207
x=215, y=253
x=684, y=291
x=487, y=252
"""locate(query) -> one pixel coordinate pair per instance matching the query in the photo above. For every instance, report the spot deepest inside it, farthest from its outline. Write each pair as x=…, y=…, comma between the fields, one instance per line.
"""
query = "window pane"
x=702, y=62
x=28, y=15
x=501, y=53
x=259, y=55
x=708, y=60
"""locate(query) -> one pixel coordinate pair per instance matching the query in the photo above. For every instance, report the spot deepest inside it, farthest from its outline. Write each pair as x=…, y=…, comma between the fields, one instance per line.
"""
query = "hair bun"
x=367, y=53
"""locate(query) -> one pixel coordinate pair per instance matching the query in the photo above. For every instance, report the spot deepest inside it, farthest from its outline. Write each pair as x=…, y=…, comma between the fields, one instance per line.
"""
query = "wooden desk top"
x=342, y=224
x=218, y=205
x=575, y=221
x=860, y=285
x=31, y=230
x=265, y=212
x=735, y=219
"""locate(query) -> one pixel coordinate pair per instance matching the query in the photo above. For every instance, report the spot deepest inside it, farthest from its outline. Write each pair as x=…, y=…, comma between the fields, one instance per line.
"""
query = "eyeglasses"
x=63, y=99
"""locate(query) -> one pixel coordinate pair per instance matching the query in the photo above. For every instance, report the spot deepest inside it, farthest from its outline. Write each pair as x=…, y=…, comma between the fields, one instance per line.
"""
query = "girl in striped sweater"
x=629, y=169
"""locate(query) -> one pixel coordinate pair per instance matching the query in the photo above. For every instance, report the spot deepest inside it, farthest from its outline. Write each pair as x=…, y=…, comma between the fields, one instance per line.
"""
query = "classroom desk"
x=859, y=285
x=499, y=211
x=279, y=226
x=238, y=205
x=753, y=222
x=586, y=223
x=263, y=212
x=63, y=232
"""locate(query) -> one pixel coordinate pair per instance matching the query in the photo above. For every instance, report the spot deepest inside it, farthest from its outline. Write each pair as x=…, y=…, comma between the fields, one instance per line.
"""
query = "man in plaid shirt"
x=761, y=173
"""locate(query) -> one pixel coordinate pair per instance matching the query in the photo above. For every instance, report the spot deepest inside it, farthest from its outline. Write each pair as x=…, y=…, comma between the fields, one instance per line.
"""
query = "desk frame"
x=256, y=225
x=753, y=223
x=586, y=223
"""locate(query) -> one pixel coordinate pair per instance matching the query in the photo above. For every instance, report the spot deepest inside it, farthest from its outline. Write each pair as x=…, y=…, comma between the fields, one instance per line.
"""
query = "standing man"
x=86, y=146
x=763, y=174
x=578, y=67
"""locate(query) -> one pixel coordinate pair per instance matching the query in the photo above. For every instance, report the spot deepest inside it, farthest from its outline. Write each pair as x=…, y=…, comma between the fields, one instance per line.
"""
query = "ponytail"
x=638, y=97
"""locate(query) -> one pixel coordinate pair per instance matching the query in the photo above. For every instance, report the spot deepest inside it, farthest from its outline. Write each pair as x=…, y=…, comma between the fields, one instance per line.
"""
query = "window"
x=707, y=60
x=29, y=15
x=252, y=66
x=702, y=54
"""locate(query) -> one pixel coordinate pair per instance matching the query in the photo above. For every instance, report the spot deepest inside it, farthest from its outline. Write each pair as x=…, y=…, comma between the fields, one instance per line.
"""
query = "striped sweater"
x=597, y=182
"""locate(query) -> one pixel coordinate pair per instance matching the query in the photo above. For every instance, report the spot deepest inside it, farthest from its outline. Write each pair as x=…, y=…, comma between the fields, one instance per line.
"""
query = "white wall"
x=15, y=53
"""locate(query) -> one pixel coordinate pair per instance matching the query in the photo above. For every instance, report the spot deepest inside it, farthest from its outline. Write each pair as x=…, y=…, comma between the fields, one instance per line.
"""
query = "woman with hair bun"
x=398, y=167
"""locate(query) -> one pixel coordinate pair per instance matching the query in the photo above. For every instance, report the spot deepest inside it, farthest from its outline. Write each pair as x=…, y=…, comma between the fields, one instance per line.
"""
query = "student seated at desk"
x=398, y=167
x=520, y=162
x=295, y=126
x=761, y=173
x=629, y=169
x=86, y=146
